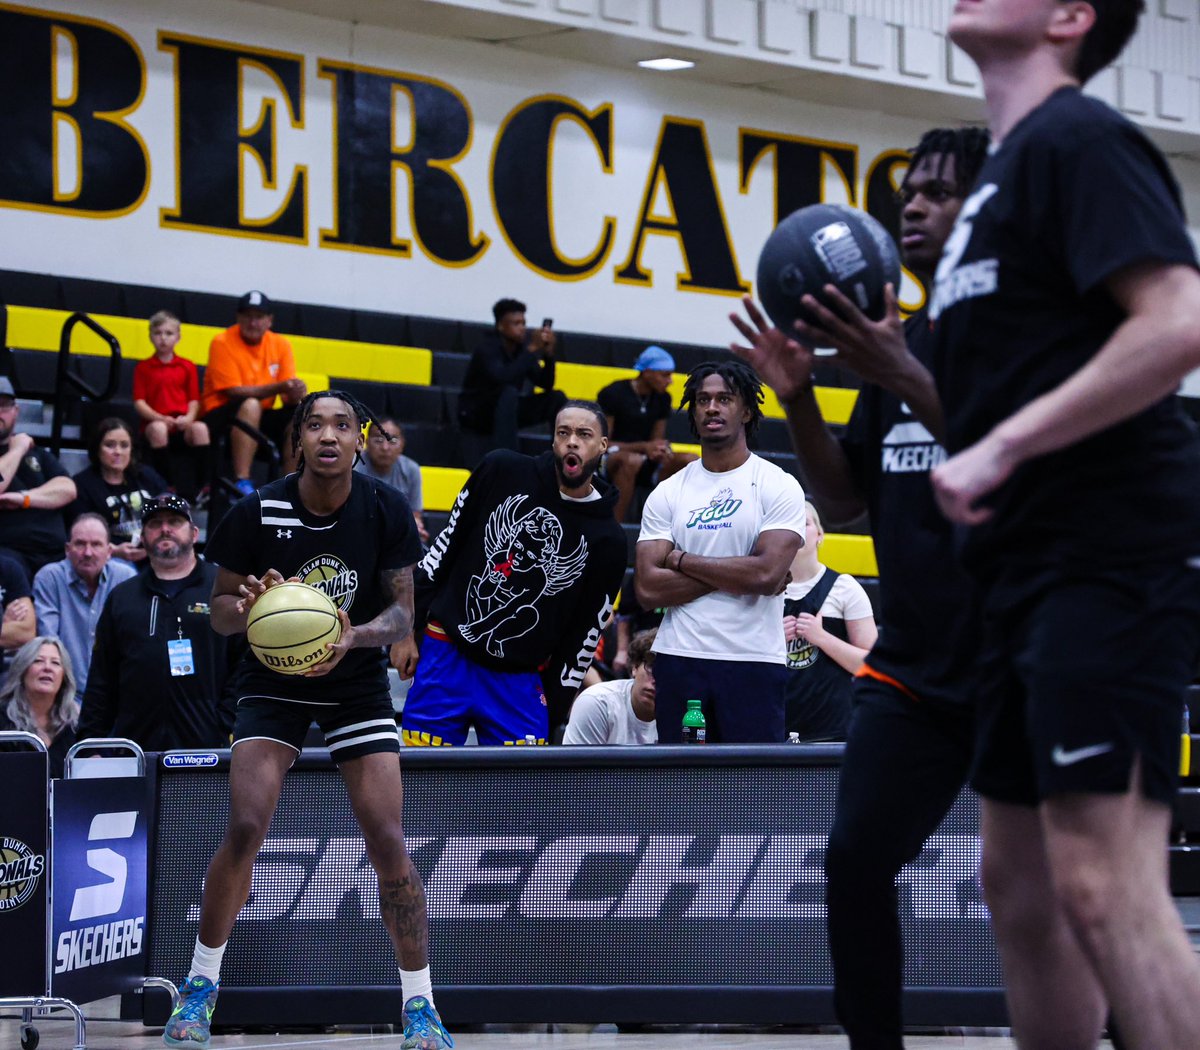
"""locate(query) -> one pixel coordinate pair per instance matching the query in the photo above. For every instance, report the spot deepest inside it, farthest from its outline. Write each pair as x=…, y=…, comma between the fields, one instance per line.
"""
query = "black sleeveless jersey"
x=343, y=555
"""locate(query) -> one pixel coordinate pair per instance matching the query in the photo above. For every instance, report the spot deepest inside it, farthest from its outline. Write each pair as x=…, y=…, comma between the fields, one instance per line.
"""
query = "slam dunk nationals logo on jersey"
x=954, y=283
x=524, y=562
x=20, y=871
x=332, y=577
x=713, y=516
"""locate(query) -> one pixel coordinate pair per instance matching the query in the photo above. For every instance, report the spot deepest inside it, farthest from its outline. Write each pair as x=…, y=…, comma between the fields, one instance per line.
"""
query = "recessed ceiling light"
x=666, y=64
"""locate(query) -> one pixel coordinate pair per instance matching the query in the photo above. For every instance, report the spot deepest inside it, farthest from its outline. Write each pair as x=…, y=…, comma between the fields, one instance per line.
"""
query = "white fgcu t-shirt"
x=722, y=516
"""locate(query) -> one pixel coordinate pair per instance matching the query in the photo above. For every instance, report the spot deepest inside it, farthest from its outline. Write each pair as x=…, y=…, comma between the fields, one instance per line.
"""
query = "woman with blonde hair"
x=829, y=626
x=38, y=696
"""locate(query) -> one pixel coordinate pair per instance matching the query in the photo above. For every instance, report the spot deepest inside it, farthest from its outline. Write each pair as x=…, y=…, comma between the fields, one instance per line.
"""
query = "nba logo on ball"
x=289, y=626
x=826, y=244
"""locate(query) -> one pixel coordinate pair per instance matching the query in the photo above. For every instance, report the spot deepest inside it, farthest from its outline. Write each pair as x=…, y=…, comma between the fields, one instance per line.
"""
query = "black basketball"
x=826, y=244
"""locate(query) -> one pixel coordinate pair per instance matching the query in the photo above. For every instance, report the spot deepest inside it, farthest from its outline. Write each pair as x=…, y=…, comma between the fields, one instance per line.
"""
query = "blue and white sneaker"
x=422, y=1027
x=190, y=1022
x=245, y=486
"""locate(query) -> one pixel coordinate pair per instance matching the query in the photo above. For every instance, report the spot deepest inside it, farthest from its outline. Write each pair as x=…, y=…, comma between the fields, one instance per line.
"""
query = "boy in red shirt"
x=166, y=392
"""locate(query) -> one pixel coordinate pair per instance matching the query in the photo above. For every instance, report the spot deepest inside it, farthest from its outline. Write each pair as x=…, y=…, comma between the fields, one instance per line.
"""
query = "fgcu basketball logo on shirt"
x=713, y=515
x=20, y=870
x=332, y=577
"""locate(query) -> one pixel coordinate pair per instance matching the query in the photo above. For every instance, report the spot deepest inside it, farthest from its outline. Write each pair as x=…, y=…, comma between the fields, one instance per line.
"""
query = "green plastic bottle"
x=695, y=729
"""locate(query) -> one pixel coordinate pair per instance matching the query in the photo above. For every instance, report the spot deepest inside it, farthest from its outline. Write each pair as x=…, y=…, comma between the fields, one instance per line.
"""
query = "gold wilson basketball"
x=289, y=625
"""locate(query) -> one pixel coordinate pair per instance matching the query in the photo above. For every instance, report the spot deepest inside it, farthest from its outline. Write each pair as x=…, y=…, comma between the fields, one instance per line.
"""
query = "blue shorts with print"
x=450, y=694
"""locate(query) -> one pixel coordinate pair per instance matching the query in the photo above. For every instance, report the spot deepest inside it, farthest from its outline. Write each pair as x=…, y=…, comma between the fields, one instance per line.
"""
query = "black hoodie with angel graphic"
x=523, y=578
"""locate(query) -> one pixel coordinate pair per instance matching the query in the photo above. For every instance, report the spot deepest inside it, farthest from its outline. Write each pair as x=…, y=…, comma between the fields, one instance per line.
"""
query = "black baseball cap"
x=6, y=388
x=168, y=503
x=255, y=301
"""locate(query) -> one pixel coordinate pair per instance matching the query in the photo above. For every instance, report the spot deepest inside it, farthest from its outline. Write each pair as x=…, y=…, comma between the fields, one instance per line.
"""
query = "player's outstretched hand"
x=874, y=350
x=254, y=586
x=337, y=649
x=782, y=362
x=404, y=656
x=963, y=480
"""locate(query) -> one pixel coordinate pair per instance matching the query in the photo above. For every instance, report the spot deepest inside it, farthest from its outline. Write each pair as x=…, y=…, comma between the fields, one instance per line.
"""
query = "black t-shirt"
x=38, y=535
x=633, y=416
x=927, y=633
x=1074, y=195
x=120, y=505
x=343, y=555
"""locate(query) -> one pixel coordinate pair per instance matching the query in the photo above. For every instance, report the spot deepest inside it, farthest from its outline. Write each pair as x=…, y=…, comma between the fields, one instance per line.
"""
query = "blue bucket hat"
x=654, y=359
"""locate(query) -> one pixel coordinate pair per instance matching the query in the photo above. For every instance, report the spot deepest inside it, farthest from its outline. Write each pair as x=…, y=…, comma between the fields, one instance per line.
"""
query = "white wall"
x=138, y=248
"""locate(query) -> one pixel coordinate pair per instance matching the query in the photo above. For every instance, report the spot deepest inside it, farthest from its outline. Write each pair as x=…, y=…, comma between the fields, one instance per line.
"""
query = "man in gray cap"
x=34, y=487
x=248, y=367
x=637, y=411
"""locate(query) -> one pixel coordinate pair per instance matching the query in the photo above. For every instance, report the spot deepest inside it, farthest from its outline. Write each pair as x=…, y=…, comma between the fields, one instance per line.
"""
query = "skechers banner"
x=24, y=879
x=99, y=931
x=601, y=874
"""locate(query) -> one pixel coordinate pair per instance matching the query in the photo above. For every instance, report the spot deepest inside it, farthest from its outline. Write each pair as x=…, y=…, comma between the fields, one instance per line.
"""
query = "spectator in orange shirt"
x=166, y=397
x=248, y=367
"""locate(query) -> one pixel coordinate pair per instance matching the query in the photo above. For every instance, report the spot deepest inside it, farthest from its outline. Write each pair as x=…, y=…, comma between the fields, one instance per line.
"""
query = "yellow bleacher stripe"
x=33, y=328
x=855, y=555
x=440, y=486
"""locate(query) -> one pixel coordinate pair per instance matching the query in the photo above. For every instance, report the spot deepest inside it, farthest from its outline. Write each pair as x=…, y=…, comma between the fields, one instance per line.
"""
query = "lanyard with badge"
x=179, y=652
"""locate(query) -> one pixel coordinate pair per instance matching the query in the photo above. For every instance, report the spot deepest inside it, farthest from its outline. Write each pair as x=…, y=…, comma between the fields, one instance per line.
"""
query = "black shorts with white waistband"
x=352, y=727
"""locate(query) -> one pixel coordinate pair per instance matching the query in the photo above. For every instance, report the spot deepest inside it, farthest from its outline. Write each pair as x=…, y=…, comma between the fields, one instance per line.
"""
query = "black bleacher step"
x=772, y=435
x=436, y=334
x=1184, y=863
x=432, y=444
x=584, y=348
x=417, y=404
x=1186, y=810
x=450, y=369
x=373, y=326
x=374, y=395
x=140, y=301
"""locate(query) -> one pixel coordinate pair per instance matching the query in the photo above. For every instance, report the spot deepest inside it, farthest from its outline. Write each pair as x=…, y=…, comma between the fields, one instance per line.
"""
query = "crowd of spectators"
x=102, y=573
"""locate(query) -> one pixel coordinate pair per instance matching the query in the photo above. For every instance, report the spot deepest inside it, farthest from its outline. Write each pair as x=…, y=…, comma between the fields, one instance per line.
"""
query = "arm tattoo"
x=395, y=623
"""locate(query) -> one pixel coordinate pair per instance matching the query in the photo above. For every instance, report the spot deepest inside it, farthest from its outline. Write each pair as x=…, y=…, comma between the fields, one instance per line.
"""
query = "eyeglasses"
x=168, y=503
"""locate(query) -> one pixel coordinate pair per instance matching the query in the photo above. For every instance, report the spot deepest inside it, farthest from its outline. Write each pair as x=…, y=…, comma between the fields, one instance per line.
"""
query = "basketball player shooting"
x=355, y=539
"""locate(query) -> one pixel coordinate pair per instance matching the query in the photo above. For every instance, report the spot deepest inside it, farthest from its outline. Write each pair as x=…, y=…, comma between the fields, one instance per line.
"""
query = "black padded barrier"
x=629, y=885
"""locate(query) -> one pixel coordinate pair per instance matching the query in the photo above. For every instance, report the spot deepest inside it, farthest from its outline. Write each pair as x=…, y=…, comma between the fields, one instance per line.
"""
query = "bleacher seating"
x=411, y=367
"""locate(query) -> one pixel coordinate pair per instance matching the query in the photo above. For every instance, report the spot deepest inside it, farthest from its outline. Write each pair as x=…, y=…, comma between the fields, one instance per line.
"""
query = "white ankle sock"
x=416, y=982
x=206, y=962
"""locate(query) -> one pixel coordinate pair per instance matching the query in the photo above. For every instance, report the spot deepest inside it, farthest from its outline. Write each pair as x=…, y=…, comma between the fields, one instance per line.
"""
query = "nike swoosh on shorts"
x=1063, y=757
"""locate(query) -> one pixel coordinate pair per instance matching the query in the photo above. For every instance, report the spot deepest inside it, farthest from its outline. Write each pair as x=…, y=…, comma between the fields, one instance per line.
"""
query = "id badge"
x=179, y=650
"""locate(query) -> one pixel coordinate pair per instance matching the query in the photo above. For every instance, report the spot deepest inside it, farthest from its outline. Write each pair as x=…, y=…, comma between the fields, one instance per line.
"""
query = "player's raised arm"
x=233, y=595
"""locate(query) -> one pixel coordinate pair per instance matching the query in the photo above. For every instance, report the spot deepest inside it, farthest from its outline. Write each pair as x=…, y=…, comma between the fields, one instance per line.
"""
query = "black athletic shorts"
x=352, y=728
x=1083, y=676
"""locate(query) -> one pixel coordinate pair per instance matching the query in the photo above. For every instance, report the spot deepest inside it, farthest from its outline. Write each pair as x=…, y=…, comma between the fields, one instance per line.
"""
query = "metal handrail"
x=64, y=377
x=105, y=743
x=23, y=736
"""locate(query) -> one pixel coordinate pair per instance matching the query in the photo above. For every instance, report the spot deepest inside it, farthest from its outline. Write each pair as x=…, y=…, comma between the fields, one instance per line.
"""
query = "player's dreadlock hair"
x=739, y=377
x=968, y=147
x=362, y=415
